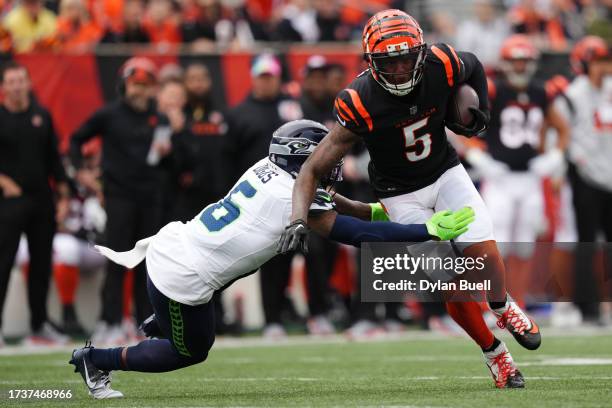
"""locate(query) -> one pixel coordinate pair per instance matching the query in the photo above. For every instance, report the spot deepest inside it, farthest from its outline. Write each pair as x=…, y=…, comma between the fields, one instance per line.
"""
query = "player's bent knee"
x=194, y=358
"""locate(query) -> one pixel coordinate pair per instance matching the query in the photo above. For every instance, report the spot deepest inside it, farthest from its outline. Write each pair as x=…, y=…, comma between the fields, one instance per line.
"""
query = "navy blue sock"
x=107, y=359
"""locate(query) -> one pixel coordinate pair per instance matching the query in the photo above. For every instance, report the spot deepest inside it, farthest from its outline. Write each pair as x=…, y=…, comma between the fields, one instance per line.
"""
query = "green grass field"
x=427, y=371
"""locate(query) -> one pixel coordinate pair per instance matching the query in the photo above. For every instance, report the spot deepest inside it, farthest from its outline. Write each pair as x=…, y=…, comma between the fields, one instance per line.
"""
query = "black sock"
x=493, y=346
x=107, y=359
x=498, y=305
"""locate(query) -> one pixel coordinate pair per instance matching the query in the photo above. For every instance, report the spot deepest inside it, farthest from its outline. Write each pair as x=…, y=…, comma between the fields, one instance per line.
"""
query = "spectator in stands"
x=252, y=122
x=6, y=42
x=298, y=22
x=336, y=79
x=28, y=159
x=543, y=26
x=316, y=101
x=161, y=23
x=130, y=30
x=135, y=146
x=251, y=125
x=197, y=150
x=201, y=179
x=29, y=23
x=108, y=14
x=73, y=253
x=589, y=109
x=76, y=32
x=206, y=22
x=317, y=104
x=171, y=99
x=484, y=33
x=329, y=22
x=171, y=72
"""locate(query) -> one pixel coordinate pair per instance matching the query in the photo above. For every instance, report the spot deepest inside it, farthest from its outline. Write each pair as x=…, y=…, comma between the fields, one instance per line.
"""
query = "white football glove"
x=547, y=164
x=486, y=165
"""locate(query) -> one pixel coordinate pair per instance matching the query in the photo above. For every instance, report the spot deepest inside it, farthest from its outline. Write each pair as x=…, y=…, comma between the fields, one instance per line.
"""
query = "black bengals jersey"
x=405, y=135
x=517, y=117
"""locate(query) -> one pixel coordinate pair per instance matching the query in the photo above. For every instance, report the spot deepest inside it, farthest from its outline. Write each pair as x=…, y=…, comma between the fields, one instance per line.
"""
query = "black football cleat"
x=522, y=327
x=98, y=381
x=516, y=380
x=150, y=328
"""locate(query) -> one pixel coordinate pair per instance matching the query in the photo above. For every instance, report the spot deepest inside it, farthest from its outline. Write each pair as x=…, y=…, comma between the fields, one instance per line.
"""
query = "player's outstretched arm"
x=443, y=225
x=357, y=209
x=327, y=155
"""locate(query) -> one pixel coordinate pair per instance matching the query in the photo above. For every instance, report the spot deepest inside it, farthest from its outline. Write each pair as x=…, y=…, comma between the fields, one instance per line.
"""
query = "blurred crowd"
x=165, y=148
x=204, y=25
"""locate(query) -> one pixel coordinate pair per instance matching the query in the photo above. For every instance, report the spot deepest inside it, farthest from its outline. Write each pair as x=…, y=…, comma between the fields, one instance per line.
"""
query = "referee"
x=28, y=158
x=135, y=143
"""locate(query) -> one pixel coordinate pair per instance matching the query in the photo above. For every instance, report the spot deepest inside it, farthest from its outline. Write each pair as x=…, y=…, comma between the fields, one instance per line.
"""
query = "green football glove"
x=446, y=225
x=378, y=212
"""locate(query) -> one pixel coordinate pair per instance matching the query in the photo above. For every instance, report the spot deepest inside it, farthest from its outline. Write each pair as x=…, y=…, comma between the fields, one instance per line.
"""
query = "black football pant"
x=275, y=274
x=34, y=216
x=593, y=210
x=367, y=310
x=127, y=222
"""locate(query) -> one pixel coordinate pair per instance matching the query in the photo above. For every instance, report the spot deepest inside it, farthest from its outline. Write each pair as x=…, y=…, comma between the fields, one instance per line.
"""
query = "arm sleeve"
x=351, y=231
x=92, y=127
x=56, y=166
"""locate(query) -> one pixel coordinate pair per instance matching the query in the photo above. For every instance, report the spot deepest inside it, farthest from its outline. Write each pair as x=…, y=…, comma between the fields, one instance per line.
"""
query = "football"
x=459, y=103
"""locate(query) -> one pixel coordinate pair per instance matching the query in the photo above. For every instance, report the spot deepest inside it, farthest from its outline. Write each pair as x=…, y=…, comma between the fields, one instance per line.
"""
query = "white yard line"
x=304, y=340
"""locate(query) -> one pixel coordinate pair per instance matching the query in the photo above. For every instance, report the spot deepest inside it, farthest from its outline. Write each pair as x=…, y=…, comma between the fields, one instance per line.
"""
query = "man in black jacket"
x=28, y=158
x=135, y=139
x=251, y=125
x=201, y=167
x=263, y=111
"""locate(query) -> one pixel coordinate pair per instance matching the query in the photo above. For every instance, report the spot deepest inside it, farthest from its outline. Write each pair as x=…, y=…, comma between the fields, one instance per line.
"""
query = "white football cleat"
x=98, y=381
x=320, y=326
x=502, y=368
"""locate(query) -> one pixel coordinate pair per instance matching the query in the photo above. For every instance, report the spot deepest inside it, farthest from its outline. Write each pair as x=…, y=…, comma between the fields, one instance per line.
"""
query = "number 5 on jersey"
x=216, y=216
x=412, y=141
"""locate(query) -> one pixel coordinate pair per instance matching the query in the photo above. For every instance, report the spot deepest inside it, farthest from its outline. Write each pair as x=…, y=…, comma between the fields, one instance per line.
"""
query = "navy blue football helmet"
x=293, y=142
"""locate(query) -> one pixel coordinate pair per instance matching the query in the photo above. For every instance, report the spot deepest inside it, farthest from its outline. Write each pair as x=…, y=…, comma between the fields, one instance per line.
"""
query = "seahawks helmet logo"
x=301, y=146
x=292, y=146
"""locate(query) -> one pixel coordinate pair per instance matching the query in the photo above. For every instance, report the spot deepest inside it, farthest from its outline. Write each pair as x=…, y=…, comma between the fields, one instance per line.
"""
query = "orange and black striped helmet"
x=395, y=51
x=519, y=58
x=586, y=50
x=519, y=46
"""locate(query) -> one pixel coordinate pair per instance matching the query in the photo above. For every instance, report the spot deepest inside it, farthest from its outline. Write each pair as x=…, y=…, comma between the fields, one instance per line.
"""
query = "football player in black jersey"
x=515, y=161
x=398, y=107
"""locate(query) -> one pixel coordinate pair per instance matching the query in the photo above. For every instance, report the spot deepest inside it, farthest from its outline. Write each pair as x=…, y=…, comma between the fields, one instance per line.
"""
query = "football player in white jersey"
x=188, y=262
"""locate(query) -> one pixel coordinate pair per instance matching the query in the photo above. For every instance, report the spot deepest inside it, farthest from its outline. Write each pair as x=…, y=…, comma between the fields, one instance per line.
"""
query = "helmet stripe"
x=365, y=115
x=448, y=67
x=390, y=36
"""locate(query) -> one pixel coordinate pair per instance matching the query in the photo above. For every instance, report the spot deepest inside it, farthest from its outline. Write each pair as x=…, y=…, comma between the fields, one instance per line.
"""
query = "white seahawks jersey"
x=227, y=239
